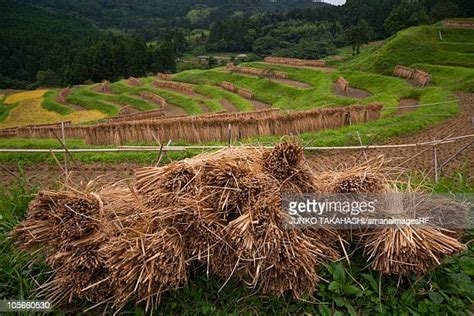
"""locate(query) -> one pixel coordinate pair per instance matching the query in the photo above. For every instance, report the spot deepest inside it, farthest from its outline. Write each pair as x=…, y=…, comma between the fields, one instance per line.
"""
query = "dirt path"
x=351, y=92
x=50, y=175
x=204, y=107
x=75, y=107
x=259, y=105
x=457, y=126
x=228, y=106
x=173, y=110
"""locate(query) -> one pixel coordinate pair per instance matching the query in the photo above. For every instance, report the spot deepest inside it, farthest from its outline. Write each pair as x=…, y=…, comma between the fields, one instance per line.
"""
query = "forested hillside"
x=52, y=43
x=57, y=49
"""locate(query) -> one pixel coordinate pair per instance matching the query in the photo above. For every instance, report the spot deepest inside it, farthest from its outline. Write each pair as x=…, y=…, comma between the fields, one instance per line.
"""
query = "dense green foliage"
x=59, y=49
x=293, y=38
x=51, y=43
x=407, y=13
x=316, y=32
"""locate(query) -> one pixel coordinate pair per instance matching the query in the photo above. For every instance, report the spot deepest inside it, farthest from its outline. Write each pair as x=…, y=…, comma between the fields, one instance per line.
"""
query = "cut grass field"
x=30, y=112
x=23, y=96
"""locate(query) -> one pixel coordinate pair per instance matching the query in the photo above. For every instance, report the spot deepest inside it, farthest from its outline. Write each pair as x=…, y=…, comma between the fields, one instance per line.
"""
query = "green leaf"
x=351, y=309
x=372, y=281
x=334, y=286
x=339, y=274
x=436, y=297
x=339, y=301
x=324, y=310
x=350, y=289
x=467, y=265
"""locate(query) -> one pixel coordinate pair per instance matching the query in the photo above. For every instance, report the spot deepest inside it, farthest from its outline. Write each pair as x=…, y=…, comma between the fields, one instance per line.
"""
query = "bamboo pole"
x=185, y=148
x=435, y=163
x=63, y=135
x=455, y=155
x=69, y=154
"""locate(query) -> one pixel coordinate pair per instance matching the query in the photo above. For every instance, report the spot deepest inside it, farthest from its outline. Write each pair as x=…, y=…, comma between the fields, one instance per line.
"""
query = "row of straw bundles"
x=138, y=116
x=8, y=132
x=295, y=61
x=174, y=86
x=343, y=84
x=62, y=95
x=50, y=131
x=229, y=86
x=134, y=81
x=38, y=131
x=397, y=250
x=260, y=72
x=127, y=110
x=221, y=210
x=421, y=78
x=154, y=98
x=245, y=93
x=403, y=72
x=242, y=125
x=165, y=77
x=104, y=87
x=458, y=24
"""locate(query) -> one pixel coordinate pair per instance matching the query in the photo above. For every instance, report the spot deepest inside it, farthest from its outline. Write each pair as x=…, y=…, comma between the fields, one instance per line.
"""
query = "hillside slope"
x=418, y=45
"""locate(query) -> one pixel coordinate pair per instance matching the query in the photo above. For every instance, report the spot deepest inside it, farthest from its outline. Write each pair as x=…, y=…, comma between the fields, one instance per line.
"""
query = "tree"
x=211, y=62
x=407, y=13
x=47, y=78
x=444, y=9
x=359, y=34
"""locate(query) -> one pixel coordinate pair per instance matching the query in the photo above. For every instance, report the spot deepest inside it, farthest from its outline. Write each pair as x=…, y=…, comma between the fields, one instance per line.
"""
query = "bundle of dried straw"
x=221, y=210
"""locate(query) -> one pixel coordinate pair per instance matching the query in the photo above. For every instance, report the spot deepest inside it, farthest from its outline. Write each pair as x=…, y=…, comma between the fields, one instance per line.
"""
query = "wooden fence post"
x=435, y=162
x=63, y=136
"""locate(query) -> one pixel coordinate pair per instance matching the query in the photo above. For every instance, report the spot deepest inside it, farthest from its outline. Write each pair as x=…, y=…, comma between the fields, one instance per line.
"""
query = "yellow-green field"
x=28, y=111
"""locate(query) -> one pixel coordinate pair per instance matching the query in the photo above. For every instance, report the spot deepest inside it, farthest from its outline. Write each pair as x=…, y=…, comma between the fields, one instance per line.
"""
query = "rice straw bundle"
x=144, y=266
x=223, y=210
x=68, y=227
x=58, y=218
x=409, y=250
x=270, y=256
x=399, y=250
x=367, y=177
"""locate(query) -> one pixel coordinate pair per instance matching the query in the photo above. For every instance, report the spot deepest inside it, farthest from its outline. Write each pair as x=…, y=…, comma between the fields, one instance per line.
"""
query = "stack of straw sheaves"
x=221, y=210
